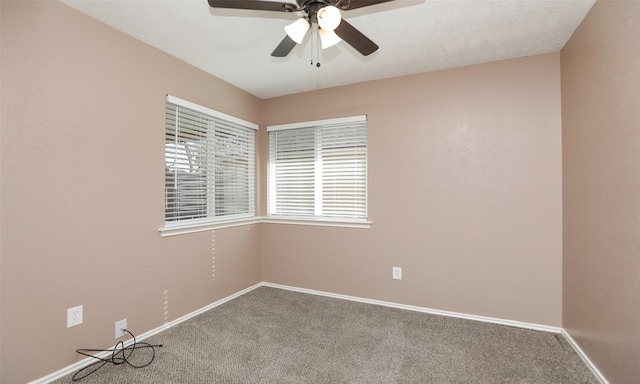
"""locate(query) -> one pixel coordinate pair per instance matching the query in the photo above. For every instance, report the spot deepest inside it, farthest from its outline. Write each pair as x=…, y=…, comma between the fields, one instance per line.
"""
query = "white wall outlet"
x=120, y=327
x=74, y=316
x=397, y=273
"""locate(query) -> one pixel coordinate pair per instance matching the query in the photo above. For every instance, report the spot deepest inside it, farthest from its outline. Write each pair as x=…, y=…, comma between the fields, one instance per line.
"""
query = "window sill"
x=318, y=222
x=175, y=230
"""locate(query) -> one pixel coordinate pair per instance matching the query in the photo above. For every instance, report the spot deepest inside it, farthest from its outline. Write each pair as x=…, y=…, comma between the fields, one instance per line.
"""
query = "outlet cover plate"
x=397, y=273
x=74, y=316
x=120, y=325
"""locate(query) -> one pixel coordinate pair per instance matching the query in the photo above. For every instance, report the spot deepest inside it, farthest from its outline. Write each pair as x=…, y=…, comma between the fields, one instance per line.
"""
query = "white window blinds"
x=209, y=165
x=319, y=169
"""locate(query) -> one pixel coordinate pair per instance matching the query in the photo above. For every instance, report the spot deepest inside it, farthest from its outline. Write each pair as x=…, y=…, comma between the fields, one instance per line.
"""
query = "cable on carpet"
x=119, y=355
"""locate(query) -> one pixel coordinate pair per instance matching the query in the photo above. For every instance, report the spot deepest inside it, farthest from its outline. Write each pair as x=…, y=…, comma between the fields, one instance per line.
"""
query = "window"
x=209, y=165
x=318, y=170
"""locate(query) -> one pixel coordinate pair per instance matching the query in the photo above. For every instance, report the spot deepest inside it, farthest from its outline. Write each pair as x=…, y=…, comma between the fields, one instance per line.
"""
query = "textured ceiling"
x=414, y=36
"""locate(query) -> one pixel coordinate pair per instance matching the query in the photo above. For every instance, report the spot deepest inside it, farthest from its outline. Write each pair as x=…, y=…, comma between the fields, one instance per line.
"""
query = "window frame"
x=316, y=220
x=211, y=221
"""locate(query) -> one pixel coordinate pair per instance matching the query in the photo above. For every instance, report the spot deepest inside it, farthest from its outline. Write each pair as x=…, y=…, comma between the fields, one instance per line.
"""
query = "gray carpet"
x=276, y=336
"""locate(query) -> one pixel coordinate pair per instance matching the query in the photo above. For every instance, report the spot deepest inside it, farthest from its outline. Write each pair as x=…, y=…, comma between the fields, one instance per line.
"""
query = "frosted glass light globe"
x=297, y=30
x=329, y=18
x=328, y=38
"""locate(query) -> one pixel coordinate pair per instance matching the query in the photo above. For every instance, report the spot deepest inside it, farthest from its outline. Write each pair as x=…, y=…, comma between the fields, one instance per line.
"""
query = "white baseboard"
x=585, y=358
x=85, y=362
x=513, y=323
x=538, y=327
x=519, y=324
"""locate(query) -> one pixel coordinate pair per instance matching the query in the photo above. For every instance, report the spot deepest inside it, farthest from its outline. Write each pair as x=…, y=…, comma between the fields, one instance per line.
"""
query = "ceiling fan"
x=332, y=28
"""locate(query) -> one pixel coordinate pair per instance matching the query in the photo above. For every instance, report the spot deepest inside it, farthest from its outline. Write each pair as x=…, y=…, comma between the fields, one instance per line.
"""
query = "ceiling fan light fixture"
x=328, y=38
x=298, y=29
x=329, y=18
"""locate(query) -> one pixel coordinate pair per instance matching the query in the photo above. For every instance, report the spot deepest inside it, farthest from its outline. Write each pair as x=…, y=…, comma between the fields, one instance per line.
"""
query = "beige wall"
x=82, y=190
x=601, y=179
x=464, y=193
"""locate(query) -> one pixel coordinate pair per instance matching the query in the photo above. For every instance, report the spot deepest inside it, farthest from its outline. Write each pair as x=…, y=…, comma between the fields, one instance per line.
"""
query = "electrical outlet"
x=74, y=316
x=120, y=327
x=397, y=273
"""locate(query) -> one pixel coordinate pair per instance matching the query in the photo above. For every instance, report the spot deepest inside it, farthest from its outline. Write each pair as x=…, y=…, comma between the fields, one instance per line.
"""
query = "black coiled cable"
x=119, y=355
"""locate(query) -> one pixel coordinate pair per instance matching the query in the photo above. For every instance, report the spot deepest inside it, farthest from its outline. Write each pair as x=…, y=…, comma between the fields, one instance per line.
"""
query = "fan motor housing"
x=311, y=7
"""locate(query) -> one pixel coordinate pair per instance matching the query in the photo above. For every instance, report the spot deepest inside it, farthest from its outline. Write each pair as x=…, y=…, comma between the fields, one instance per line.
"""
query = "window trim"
x=319, y=221
x=202, y=224
x=212, y=112
x=306, y=124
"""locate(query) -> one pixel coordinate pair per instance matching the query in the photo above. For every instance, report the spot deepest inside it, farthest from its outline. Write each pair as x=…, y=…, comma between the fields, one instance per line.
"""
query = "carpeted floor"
x=276, y=336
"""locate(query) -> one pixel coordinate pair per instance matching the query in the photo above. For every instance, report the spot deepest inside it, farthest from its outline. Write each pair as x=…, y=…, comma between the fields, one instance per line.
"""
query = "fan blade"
x=355, y=38
x=254, y=4
x=354, y=4
x=286, y=45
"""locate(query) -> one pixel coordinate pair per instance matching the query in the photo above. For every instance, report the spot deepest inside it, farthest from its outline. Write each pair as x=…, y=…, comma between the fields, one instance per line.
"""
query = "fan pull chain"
x=315, y=47
x=317, y=53
x=313, y=37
